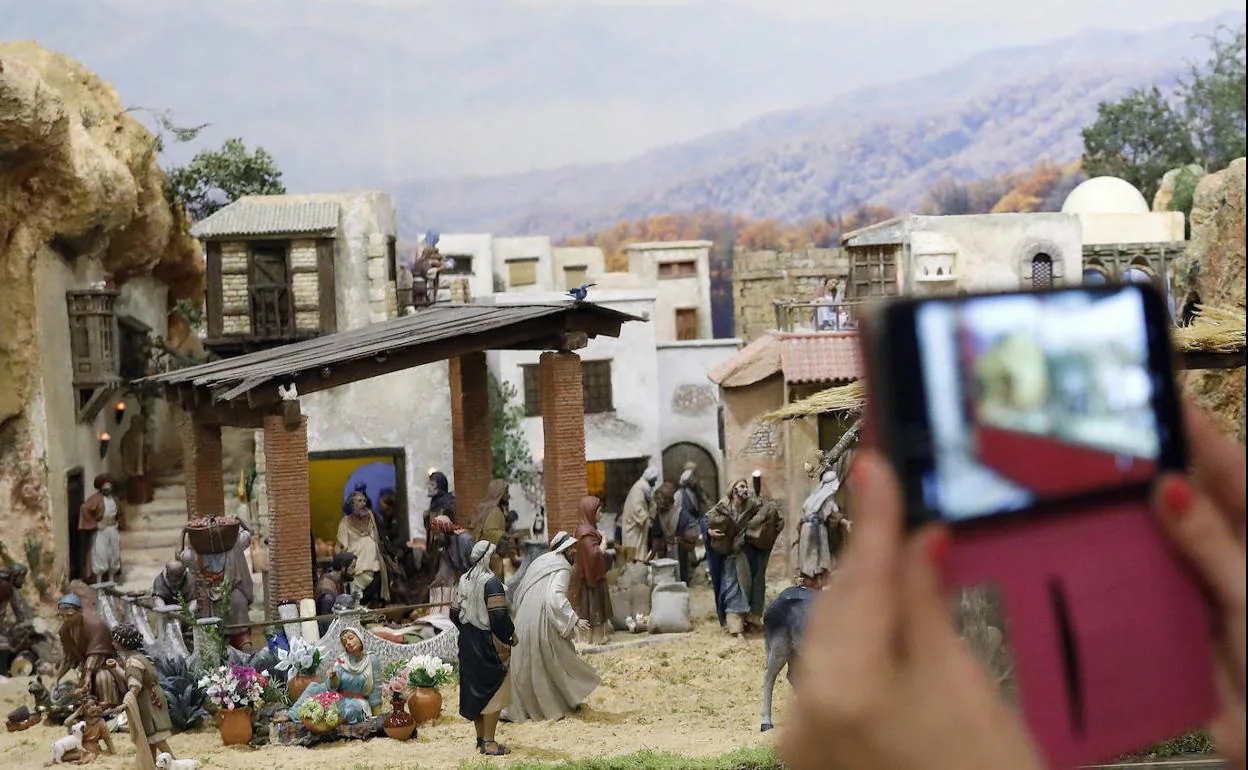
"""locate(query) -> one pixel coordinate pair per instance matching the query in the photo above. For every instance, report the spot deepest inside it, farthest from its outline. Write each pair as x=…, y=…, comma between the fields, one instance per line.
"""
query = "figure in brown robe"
x=589, y=578
x=490, y=521
x=100, y=520
x=87, y=645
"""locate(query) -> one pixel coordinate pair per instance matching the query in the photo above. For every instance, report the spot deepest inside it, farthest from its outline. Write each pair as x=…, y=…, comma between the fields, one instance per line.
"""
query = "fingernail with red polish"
x=1176, y=497
x=938, y=544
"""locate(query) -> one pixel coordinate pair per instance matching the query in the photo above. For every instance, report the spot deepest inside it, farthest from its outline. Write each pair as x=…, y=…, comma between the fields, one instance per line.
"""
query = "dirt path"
x=698, y=695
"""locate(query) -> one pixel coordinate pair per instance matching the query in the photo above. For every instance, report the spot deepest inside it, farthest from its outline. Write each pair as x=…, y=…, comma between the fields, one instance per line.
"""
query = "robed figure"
x=486, y=634
x=86, y=644
x=101, y=520
x=593, y=603
x=727, y=525
x=549, y=680
x=489, y=523
x=637, y=517
x=823, y=532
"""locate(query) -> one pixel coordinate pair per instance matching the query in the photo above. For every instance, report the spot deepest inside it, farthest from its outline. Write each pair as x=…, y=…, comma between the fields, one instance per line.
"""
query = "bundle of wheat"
x=1213, y=330
x=843, y=398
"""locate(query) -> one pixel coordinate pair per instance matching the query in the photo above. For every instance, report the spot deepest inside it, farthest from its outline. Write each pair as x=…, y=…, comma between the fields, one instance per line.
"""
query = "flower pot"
x=425, y=705
x=235, y=727
x=297, y=684
x=399, y=725
x=318, y=728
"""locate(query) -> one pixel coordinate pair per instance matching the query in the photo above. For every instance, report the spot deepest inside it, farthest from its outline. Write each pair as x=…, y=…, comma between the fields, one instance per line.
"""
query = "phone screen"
x=1029, y=398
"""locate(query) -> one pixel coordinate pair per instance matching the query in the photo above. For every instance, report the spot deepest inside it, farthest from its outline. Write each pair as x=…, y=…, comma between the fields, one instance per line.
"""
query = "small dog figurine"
x=39, y=691
x=165, y=761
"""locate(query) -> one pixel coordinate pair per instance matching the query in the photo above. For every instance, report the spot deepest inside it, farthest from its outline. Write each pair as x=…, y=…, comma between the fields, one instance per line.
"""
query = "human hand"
x=582, y=625
x=1203, y=515
x=897, y=688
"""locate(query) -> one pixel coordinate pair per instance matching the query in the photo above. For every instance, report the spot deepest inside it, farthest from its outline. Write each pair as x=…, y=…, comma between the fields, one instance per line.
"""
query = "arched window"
x=1041, y=271
x=1135, y=274
x=1094, y=276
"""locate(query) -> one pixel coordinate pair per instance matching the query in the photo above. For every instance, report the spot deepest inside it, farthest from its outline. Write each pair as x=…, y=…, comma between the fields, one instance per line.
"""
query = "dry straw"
x=1213, y=330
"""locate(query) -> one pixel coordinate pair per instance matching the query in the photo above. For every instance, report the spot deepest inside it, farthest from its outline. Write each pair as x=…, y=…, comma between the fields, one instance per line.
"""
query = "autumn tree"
x=215, y=178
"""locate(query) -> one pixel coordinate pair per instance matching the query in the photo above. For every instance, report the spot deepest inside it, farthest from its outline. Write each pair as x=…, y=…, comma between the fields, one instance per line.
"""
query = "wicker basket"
x=213, y=538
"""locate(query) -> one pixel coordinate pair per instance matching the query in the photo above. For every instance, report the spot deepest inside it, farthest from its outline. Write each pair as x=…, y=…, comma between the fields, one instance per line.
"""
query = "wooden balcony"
x=816, y=316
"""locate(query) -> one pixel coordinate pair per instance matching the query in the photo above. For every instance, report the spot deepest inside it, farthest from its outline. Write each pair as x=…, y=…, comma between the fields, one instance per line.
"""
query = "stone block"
x=376, y=269
x=377, y=293
x=375, y=246
x=308, y=320
x=303, y=256
x=307, y=289
x=234, y=258
x=236, y=324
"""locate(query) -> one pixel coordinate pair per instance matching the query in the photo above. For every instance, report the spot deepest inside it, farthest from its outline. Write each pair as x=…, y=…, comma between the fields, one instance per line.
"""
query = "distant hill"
x=996, y=113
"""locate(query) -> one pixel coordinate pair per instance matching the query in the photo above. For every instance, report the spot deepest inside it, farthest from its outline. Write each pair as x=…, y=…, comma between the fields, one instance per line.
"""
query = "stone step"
x=164, y=539
x=160, y=506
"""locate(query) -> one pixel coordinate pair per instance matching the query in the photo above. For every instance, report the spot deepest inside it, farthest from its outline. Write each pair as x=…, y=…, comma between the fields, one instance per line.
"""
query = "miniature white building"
x=681, y=274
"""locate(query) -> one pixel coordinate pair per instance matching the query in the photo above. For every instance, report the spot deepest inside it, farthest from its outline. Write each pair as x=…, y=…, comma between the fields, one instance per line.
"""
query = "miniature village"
x=253, y=505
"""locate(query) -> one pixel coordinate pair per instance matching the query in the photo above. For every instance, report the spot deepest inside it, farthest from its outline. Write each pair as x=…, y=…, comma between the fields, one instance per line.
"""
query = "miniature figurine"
x=230, y=570
x=637, y=517
x=97, y=731
x=101, y=519
x=87, y=645
x=357, y=534
x=490, y=521
x=174, y=585
x=664, y=532
x=165, y=761
x=356, y=677
x=69, y=748
x=18, y=634
x=688, y=512
x=486, y=634
x=593, y=603
x=20, y=719
x=823, y=532
x=146, y=706
x=39, y=691
x=454, y=548
x=334, y=583
x=441, y=498
x=727, y=524
x=549, y=680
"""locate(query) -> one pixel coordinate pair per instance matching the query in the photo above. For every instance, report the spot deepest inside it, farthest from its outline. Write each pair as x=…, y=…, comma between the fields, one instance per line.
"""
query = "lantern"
x=104, y=438
x=758, y=483
x=119, y=412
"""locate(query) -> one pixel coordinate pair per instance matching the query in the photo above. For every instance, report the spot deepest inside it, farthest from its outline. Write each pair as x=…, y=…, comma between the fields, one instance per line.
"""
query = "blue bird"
x=581, y=292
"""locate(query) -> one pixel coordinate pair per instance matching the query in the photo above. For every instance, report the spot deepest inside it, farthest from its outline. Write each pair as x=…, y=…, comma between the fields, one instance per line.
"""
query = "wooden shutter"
x=214, y=297
x=574, y=277
x=522, y=272
x=686, y=323
x=325, y=286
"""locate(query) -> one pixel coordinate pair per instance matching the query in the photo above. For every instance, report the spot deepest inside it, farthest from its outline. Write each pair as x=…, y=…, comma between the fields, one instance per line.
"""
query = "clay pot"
x=425, y=705
x=399, y=725
x=235, y=727
x=297, y=684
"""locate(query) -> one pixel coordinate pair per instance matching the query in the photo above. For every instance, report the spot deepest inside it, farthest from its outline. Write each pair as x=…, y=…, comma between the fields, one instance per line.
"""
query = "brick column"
x=563, y=428
x=470, y=432
x=290, y=520
x=201, y=464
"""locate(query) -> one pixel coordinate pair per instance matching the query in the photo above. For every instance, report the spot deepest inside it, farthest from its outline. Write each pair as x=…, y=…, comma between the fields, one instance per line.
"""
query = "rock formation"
x=78, y=181
x=1175, y=182
x=1211, y=272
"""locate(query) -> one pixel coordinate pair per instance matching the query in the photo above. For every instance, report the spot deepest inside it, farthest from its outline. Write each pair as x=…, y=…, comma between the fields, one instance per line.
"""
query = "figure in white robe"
x=549, y=680
x=637, y=517
x=822, y=533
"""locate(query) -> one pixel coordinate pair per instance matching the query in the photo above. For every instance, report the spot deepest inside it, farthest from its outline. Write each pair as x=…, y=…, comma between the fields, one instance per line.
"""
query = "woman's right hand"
x=1203, y=514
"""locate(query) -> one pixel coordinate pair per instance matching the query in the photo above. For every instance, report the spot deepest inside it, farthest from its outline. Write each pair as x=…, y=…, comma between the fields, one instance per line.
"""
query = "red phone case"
x=1111, y=634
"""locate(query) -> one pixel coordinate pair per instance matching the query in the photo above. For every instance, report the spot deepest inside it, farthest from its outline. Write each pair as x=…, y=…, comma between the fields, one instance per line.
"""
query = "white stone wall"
x=525, y=247
x=1155, y=227
x=688, y=401
x=480, y=248
x=633, y=429
x=564, y=257
x=235, y=299
x=672, y=294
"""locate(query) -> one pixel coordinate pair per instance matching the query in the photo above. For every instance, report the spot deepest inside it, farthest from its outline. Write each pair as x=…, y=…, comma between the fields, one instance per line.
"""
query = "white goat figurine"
x=165, y=761
x=71, y=742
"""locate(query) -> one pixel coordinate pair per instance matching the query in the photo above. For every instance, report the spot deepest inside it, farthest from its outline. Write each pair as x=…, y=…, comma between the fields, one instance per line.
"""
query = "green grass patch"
x=742, y=759
x=1197, y=742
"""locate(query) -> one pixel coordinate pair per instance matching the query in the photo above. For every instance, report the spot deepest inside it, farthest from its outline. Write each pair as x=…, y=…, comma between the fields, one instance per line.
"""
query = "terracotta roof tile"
x=820, y=357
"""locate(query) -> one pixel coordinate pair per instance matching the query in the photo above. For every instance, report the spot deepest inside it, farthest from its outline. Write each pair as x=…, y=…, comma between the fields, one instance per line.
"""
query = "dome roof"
x=1105, y=195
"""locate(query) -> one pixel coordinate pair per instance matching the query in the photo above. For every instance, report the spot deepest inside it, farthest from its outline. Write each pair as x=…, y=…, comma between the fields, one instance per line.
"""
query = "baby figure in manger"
x=356, y=677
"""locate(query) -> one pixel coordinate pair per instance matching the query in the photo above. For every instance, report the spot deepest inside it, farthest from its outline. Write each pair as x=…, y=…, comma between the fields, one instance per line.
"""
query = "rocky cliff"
x=1212, y=272
x=78, y=180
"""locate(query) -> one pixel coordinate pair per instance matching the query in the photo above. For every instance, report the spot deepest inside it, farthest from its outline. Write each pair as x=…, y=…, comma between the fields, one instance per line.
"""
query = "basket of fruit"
x=212, y=534
x=319, y=713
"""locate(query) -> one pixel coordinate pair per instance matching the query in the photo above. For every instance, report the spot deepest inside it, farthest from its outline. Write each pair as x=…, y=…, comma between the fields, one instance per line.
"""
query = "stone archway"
x=675, y=457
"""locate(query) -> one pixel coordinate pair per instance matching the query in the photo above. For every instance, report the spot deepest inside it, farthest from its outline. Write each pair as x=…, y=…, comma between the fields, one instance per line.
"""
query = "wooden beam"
x=227, y=415
x=265, y=396
x=1193, y=361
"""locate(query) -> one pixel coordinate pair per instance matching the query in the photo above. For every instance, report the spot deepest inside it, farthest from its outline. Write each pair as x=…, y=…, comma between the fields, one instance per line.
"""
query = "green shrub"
x=1197, y=742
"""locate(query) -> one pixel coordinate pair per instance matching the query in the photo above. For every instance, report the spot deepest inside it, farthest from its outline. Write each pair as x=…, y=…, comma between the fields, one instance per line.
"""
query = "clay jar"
x=399, y=725
x=235, y=726
x=425, y=704
x=297, y=684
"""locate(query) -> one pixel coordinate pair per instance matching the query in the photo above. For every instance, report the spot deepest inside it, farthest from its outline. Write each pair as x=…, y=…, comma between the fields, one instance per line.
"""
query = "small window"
x=618, y=477
x=457, y=264
x=392, y=259
x=595, y=386
x=532, y=390
x=574, y=277
x=686, y=323
x=596, y=381
x=683, y=269
x=1095, y=276
x=522, y=272
x=1041, y=271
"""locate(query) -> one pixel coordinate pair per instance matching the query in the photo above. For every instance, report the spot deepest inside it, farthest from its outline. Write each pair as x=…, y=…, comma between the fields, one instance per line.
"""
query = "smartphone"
x=999, y=405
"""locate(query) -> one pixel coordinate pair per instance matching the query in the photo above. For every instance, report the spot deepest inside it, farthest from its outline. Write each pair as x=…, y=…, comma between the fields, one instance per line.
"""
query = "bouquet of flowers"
x=235, y=687
x=302, y=659
x=319, y=713
x=426, y=671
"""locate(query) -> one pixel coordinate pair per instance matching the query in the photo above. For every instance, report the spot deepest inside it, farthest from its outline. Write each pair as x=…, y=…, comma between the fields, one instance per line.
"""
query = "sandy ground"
x=696, y=695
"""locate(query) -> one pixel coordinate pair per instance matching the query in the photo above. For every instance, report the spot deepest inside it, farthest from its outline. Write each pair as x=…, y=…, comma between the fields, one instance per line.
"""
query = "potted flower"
x=419, y=678
x=236, y=692
x=319, y=713
x=300, y=663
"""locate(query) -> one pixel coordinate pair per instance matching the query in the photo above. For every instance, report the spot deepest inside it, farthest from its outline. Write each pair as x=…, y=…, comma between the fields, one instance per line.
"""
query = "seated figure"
x=357, y=678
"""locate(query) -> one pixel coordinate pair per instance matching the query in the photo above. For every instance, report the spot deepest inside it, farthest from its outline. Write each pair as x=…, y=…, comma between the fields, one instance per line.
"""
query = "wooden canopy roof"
x=234, y=391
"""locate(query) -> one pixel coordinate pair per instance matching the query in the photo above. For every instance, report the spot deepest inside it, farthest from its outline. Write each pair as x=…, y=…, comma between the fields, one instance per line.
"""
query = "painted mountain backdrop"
x=995, y=113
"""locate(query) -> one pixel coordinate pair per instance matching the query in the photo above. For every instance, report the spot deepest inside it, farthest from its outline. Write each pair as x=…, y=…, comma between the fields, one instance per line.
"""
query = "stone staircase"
x=154, y=530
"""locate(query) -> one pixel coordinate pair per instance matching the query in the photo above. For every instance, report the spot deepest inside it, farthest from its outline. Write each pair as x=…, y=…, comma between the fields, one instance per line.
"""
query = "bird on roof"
x=581, y=292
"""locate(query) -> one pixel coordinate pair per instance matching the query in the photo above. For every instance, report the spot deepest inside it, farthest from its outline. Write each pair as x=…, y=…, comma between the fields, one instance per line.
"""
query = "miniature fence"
x=816, y=316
